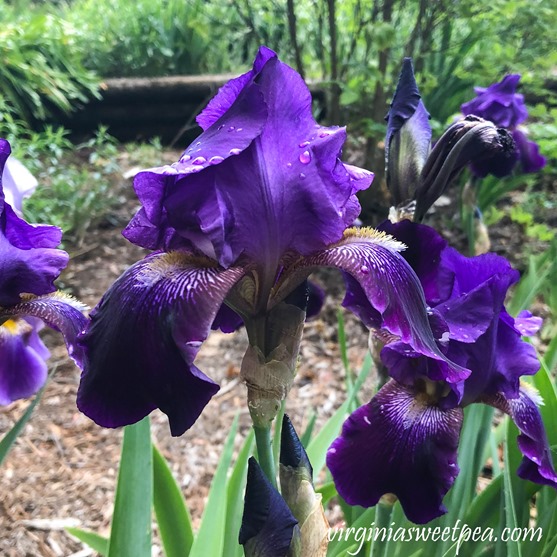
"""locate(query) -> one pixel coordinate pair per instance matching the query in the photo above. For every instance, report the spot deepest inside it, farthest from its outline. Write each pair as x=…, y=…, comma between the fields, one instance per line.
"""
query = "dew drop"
x=220, y=127
x=305, y=157
x=364, y=269
x=199, y=160
x=216, y=159
x=198, y=143
x=304, y=144
x=186, y=158
x=289, y=165
x=239, y=129
x=231, y=128
x=235, y=151
x=302, y=175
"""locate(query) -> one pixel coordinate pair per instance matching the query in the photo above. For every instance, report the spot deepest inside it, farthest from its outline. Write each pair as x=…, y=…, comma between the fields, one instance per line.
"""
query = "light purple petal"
x=529, y=152
x=144, y=336
x=537, y=464
x=23, y=369
x=18, y=183
x=397, y=443
x=499, y=103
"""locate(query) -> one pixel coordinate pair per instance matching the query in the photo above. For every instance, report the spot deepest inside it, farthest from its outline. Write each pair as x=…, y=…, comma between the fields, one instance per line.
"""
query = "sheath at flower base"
x=404, y=441
x=502, y=105
x=29, y=263
x=258, y=201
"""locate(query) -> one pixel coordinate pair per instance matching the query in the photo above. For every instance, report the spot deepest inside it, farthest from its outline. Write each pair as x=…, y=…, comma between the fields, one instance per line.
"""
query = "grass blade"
x=92, y=539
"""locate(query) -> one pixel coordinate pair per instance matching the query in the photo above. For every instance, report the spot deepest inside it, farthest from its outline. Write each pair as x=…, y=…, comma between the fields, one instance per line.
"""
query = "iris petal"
x=391, y=289
x=23, y=369
x=60, y=312
x=536, y=465
x=397, y=443
x=267, y=523
x=144, y=336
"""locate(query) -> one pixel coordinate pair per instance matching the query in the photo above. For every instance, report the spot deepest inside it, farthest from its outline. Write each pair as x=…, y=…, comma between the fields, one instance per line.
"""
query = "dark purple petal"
x=499, y=103
x=268, y=526
x=397, y=443
x=424, y=246
x=143, y=338
x=316, y=299
x=23, y=369
x=60, y=312
x=263, y=179
x=227, y=320
x=529, y=152
x=390, y=286
x=292, y=452
x=27, y=270
x=537, y=464
x=408, y=137
x=228, y=93
x=527, y=324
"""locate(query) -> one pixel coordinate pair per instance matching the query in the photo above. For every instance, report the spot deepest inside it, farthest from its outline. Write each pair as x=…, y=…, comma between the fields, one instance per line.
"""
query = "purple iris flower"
x=417, y=175
x=258, y=201
x=502, y=105
x=29, y=264
x=405, y=440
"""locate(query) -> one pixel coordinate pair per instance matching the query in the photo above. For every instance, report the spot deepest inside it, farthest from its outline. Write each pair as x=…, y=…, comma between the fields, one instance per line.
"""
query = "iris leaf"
x=9, y=439
x=235, y=499
x=130, y=535
x=92, y=539
x=173, y=517
x=210, y=538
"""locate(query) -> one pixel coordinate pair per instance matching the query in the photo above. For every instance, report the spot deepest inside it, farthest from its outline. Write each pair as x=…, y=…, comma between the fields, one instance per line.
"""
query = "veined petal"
x=17, y=183
x=23, y=369
x=268, y=526
x=60, y=312
x=537, y=464
x=398, y=443
x=392, y=290
x=143, y=338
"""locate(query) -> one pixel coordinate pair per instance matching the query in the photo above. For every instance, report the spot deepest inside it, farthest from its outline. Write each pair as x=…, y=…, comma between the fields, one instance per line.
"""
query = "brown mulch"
x=62, y=470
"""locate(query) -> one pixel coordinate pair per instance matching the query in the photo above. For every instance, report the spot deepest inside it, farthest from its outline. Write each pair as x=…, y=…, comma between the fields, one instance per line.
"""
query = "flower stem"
x=265, y=452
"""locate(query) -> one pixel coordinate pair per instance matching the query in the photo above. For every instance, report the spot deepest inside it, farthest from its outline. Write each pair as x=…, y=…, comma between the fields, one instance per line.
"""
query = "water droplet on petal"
x=304, y=144
x=216, y=159
x=364, y=269
x=220, y=127
x=239, y=129
x=235, y=151
x=199, y=160
x=231, y=128
x=302, y=175
x=305, y=157
x=289, y=165
x=186, y=158
x=198, y=143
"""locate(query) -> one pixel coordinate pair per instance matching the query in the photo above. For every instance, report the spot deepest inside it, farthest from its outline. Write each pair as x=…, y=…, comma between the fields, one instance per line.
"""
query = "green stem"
x=265, y=452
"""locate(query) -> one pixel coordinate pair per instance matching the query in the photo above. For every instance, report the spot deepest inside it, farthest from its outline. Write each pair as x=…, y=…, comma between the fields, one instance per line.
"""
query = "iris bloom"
x=29, y=263
x=405, y=440
x=258, y=201
x=502, y=105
